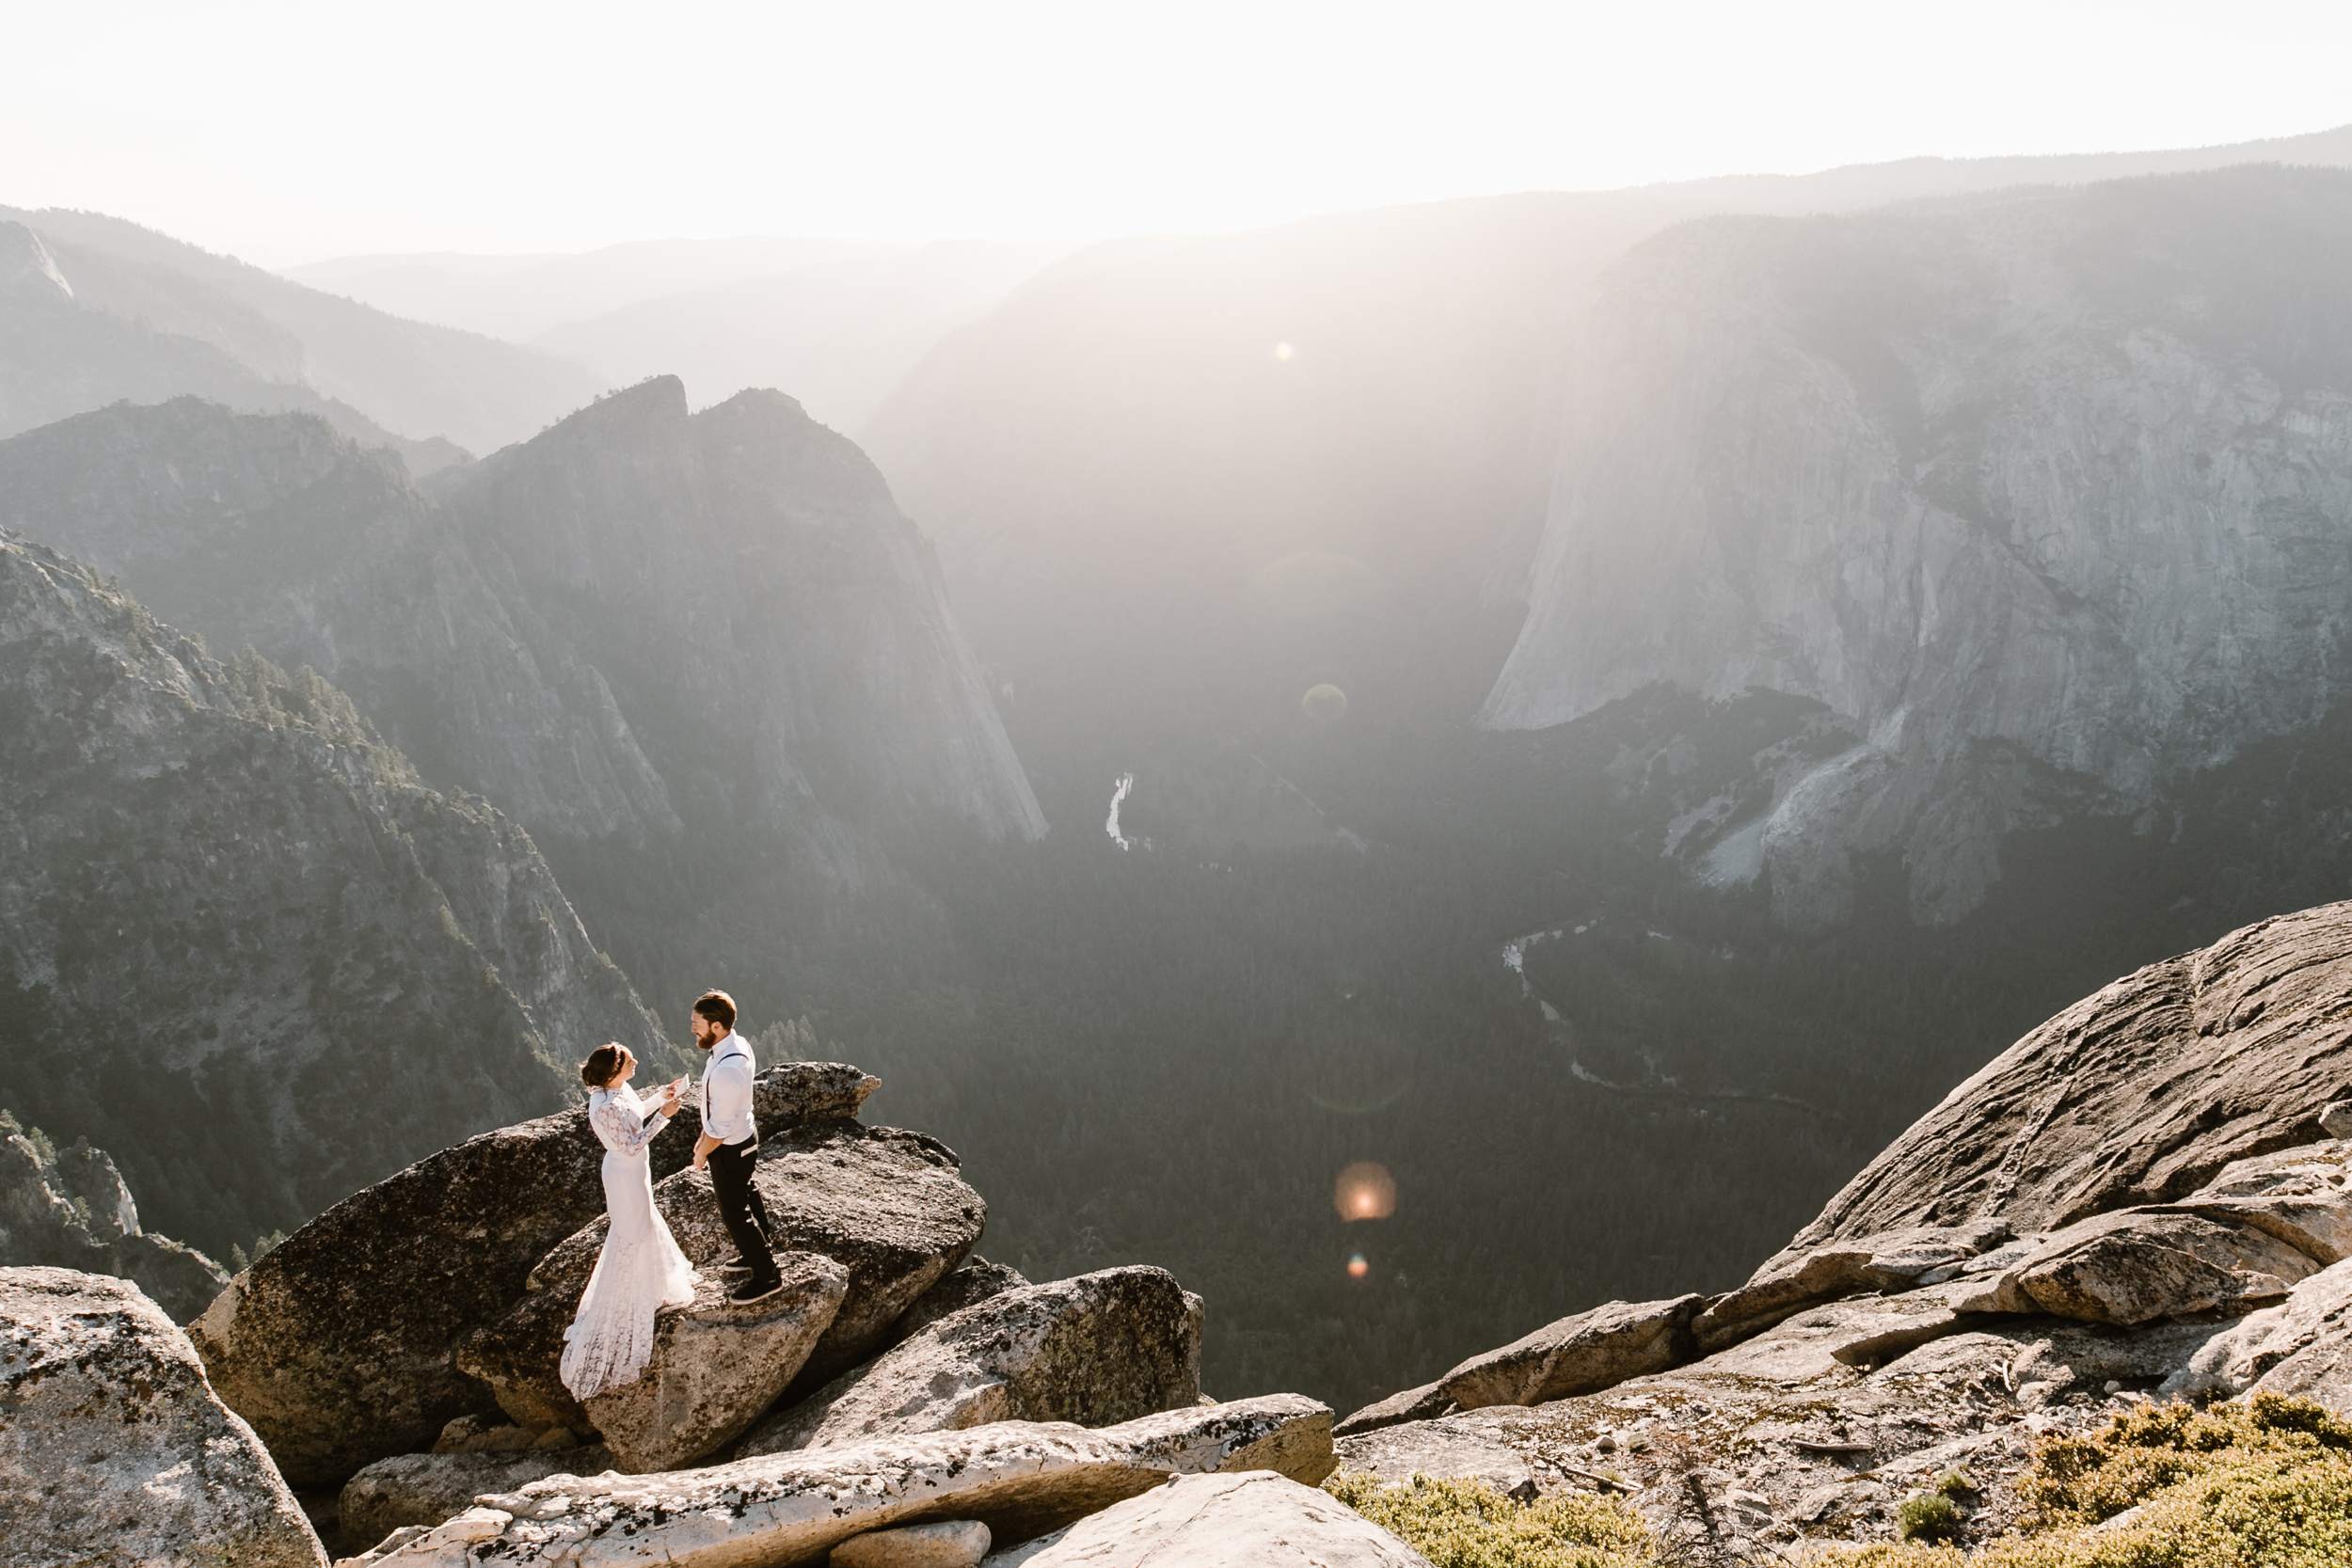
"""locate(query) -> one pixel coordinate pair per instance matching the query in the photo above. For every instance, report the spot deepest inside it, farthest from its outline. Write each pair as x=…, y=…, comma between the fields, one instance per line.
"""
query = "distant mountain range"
x=518, y=298
x=835, y=322
x=1180, y=483
x=839, y=334
x=95, y=310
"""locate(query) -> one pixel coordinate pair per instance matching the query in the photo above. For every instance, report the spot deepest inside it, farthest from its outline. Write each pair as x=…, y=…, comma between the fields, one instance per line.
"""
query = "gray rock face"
x=1791, y=1281
x=1019, y=1478
x=716, y=1367
x=957, y=1543
x=225, y=887
x=791, y=1093
x=2140, y=1264
x=2301, y=1195
x=1864, y=1331
x=112, y=1446
x=1578, y=1354
x=71, y=1208
x=2140, y=1093
x=1981, y=480
x=1817, y=1427
x=424, y=1489
x=1229, y=1521
x=1096, y=1349
x=2302, y=1347
x=885, y=1204
x=1408, y=1404
x=975, y=1280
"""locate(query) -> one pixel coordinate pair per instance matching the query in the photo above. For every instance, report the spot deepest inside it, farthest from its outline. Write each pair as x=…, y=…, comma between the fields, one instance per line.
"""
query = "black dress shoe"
x=754, y=1290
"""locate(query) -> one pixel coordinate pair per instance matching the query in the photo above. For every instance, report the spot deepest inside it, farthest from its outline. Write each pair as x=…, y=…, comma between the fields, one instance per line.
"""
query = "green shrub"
x=1929, y=1516
x=2265, y=1484
x=1955, y=1484
x=1468, y=1524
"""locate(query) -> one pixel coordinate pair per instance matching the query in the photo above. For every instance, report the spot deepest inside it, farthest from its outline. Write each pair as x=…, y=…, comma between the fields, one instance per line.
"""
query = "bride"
x=640, y=1269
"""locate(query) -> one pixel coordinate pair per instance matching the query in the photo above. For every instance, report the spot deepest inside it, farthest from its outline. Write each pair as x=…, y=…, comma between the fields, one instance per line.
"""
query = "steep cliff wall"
x=634, y=614
x=766, y=614
x=272, y=530
x=2048, y=495
x=241, y=945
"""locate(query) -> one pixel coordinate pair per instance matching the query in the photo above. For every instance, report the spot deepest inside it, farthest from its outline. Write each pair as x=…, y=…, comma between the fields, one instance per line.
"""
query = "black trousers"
x=740, y=1207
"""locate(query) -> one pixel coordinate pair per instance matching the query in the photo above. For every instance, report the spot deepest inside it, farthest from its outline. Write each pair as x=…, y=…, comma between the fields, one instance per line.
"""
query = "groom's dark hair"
x=718, y=1006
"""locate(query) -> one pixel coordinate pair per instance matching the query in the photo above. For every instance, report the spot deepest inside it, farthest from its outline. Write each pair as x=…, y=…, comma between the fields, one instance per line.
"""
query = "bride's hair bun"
x=602, y=1066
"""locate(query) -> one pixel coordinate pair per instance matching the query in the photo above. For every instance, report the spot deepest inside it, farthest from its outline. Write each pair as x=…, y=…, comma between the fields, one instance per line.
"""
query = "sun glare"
x=1364, y=1191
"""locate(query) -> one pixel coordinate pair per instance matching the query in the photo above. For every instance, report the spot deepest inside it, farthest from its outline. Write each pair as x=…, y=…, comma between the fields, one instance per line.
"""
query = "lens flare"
x=1324, y=704
x=1356, y=1267
x=1283, y=352
x=1364, y=1191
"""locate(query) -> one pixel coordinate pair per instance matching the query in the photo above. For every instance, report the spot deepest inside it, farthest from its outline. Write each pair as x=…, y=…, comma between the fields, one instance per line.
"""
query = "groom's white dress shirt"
x=727, y=1091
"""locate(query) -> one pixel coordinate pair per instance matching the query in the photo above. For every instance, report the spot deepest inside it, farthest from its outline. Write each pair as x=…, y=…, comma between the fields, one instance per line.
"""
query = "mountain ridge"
x=415, y=380
x=229, y=897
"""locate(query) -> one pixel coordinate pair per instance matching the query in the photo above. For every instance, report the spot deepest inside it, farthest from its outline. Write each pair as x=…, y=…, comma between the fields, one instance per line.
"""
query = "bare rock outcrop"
x=424, y=1489
x=2140, y=1093
x=1229, y=1521
x=2150, y=1195
x=1819, y=1426
x=338, y=1344
x=113, y=1445
x=2302, y=1346
x=1422, y=1404
x=1892, y=1262
x=885, y=1204
x=2137, y=1266
x=1019, y=1478
x=1578, y=1354
x=952, y=1543
x=2301, y=1195
x=974, y=1280
x=71, y=1208
x=1096, y=1349
x=716, y=1367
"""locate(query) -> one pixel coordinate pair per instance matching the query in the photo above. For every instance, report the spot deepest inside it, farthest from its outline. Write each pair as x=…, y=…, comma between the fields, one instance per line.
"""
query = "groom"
x=729, y=1139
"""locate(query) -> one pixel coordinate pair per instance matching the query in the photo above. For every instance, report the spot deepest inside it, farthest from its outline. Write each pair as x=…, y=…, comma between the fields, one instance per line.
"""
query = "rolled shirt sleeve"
x=727, y=1099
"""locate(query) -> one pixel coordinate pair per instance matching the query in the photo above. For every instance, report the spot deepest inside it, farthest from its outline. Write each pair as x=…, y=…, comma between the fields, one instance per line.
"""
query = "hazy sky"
x=287, y=131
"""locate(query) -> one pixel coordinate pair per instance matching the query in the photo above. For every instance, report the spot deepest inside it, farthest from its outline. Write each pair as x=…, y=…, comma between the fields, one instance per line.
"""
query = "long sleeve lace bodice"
x=640, y=1270
x=621, y=1123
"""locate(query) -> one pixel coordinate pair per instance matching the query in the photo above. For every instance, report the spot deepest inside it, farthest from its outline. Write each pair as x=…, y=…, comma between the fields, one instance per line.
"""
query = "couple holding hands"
x=640, y=1269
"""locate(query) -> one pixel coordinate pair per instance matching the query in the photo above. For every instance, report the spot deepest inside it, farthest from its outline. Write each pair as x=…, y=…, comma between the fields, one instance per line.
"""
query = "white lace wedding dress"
x=640, y=1269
